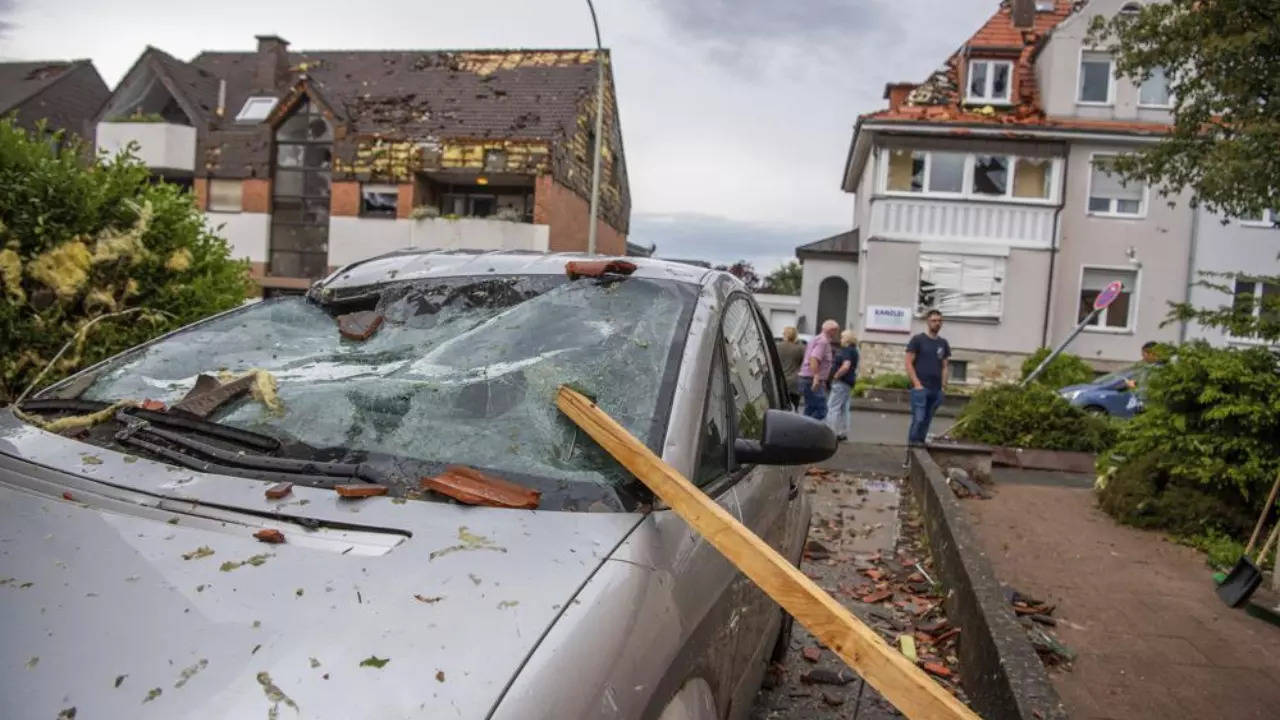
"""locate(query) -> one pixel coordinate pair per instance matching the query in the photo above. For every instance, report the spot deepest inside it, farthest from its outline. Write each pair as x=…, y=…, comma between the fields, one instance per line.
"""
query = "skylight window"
x=256, y=109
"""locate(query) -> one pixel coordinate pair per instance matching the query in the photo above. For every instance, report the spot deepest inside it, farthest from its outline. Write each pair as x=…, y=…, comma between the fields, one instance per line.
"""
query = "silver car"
x=133, y=585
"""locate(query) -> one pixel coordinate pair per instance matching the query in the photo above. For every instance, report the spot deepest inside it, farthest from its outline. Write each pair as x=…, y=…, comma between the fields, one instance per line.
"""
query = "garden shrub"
x=1211, y=428
x=1032, y=417
x=1066, y=369
x=79, y=241
x=893, y=381
x=1140, y=493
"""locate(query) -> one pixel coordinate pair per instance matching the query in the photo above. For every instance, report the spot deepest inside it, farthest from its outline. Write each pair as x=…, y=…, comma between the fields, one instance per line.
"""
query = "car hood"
x=1074, y=388
x=134, y=589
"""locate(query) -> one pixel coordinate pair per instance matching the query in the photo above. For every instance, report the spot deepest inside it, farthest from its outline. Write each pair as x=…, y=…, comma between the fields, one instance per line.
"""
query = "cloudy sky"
x=736, y=114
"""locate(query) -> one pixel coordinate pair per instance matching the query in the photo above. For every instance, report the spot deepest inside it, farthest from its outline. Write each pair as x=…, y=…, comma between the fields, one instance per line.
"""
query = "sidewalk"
x=1152, y=637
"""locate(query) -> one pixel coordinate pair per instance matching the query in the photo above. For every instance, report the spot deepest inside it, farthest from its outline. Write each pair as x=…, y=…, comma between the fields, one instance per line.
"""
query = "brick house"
x=311, y=160
x=983, y=191
x=66, y=94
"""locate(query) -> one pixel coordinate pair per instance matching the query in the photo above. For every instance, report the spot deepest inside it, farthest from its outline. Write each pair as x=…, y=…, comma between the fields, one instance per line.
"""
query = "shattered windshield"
x=459, y=370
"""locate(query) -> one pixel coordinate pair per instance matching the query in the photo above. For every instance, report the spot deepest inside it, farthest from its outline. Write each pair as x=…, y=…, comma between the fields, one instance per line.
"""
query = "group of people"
x=823, y=373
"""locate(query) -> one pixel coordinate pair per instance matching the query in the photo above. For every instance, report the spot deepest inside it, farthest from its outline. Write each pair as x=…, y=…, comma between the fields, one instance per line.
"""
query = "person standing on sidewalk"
x=927, y=359
x=844, y=372
x=816, y=369
x=791, y=355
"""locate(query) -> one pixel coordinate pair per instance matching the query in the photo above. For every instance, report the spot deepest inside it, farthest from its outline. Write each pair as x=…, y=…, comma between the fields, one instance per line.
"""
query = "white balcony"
x=358, y=238
x=1005, y=224
x=161, y=146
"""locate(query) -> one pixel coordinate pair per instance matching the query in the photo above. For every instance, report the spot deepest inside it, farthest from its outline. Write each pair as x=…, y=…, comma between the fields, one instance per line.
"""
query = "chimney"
x=1024, y=14
x=896, y=93
x=272, y=68
x=222, y=98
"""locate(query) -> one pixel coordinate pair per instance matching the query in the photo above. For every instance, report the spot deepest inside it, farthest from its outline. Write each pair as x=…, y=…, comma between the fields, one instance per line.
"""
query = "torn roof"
x=842, y=246
x=530, y=94
x=939, y=97
x=19, y=81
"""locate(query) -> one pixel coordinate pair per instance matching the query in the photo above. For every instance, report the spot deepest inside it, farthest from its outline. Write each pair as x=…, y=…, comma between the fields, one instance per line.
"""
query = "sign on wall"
x=889, y=318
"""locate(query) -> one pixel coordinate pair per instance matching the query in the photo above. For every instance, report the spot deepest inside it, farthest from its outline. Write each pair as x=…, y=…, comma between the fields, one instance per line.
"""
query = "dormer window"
x=989, y=81
x=256, y=109
x=1044, y=5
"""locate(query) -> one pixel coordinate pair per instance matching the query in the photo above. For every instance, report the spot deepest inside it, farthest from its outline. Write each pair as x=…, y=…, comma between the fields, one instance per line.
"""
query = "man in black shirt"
x=927, y=358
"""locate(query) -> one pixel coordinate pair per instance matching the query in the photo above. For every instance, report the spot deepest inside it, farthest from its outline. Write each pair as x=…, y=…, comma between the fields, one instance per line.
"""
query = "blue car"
x=1110, y=394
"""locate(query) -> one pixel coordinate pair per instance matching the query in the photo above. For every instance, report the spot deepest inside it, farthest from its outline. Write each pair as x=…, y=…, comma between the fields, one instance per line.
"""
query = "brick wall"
x=344, y=199
x=567, y=213
x=255, y=195
x=200, y=187
x=405, y=199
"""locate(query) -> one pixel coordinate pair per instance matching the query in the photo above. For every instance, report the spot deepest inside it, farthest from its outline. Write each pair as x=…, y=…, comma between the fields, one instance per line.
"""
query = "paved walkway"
x=1153, y=639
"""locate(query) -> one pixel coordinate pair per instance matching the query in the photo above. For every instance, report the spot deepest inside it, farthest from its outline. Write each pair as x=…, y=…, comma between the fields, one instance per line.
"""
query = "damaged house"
x=307, y=161
x=983, y=191
x=63, y=94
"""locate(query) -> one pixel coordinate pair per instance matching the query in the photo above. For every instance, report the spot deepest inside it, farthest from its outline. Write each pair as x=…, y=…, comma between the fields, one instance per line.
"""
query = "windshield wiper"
x=239, y=463
x=208, y=427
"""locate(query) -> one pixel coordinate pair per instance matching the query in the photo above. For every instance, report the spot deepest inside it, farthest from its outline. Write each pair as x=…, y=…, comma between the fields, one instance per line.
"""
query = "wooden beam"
x=901, y=682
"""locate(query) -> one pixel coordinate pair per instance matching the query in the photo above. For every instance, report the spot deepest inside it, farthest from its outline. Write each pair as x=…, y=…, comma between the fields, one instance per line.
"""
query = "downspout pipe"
x=1053, y=251
x=1191, y=268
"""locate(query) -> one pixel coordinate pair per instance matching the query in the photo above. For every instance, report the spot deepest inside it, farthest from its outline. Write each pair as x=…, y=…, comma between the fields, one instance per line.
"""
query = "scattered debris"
x=823, y=676
x=907, y=644
x=469, y=542
x=298, y=592
x=428, y=600
x=812, y=654
x=439, y=676
x=472, y=487
x=31, y=664
x=153, y=405
x=202, y=551
x=208, y=394
x=934, y=668
x=359, y=326
x=190, y=672
x=832, y=699
x=270, y=535
x=255, y=561
x=360, y=490
x=279, y=490
x=275, y=695
x=315, y=663
x=120, y=679
x=962, y=486
x=152, y=694
x=67, y=714
x=90, y=459
x=508, y=604
x=598, y=268
x=374, y=661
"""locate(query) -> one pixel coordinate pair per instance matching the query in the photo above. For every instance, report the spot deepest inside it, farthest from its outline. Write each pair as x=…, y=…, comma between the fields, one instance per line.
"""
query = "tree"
x=1222, y=58
x=785, y=280
x=745, y=272
x=99, y=254
x=1246, y=316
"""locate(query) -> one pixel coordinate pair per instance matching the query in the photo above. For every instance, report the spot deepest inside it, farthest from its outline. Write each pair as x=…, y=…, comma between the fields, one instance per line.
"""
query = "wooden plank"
x=901, y=682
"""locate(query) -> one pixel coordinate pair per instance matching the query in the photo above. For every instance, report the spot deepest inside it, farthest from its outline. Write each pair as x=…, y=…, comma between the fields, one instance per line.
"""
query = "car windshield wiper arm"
x=293, y=466
x=226, y=432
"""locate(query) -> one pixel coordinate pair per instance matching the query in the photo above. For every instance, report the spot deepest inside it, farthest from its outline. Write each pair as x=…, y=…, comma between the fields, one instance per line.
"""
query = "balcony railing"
x=1009, y=224
x=161, y=145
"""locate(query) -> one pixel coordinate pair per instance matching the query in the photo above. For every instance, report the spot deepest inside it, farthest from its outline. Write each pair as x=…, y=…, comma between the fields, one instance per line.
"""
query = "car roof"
x=419, y=264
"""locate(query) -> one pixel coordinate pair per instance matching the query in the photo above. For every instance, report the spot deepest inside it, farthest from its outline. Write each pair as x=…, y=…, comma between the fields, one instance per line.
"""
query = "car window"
x=462, y=370
x=713, y=450
x=751, y=384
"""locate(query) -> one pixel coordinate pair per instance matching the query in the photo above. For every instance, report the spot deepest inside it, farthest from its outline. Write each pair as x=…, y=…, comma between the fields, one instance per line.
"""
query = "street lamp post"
x=599, y=135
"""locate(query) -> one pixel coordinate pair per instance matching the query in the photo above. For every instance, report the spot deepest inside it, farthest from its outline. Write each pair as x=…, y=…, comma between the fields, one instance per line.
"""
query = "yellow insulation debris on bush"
x=11, y=275
x=127, y=244
x=100, y=298
x=64, y=269
x=179, y=261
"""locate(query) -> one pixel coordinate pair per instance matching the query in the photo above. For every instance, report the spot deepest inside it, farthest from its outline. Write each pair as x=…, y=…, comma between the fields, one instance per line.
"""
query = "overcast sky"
x=736, y=114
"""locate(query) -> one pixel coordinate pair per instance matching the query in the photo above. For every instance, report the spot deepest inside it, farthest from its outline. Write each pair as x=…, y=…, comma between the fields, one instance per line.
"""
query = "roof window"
x=256, y=109
x=1044, y=5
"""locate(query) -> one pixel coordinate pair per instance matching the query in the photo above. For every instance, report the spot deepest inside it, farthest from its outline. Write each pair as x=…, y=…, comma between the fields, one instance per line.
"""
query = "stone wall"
x=984, y=368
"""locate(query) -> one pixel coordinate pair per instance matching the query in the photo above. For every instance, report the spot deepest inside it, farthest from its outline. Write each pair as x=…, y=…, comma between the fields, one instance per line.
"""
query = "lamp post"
x=595, y=161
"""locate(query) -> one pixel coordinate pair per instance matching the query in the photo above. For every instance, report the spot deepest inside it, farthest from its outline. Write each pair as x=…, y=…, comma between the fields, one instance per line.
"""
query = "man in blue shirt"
x=927, y=358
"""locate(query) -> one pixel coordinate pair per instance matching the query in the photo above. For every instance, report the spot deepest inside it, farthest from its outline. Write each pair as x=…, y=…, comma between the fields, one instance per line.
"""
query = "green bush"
x=1140, y=493
x=81, y=242
x=893, y=381
x=1066, y=369
x=1212, y=427
x=1033, y=417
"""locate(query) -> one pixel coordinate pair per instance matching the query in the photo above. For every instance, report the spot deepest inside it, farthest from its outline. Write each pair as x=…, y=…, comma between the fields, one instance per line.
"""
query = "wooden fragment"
x=597, y=268
x=470, y=486
x=897, y=678
x=359, y=325
x=270, y=535
x=360, y=490
x=209, y=394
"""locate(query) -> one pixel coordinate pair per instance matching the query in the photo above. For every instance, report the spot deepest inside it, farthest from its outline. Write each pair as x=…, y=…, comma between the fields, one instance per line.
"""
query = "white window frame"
x=1143, y=204
x=987, y=99
x=1004, y=284
x=244, y=117
x=966, y=192
x=1111, y=79
x=209, y=199
x=1267, y=221
x=1257, y=310
x=1169, y=93
x=1100, y=322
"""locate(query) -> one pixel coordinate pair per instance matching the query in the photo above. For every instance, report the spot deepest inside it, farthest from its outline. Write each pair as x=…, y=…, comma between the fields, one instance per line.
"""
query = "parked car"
x=1110, y=393
x=134, y=585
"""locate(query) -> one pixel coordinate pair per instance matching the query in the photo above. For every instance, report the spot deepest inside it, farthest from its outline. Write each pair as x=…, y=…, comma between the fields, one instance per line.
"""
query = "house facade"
x=306, y=161
x=984, y=192
x=64, y=94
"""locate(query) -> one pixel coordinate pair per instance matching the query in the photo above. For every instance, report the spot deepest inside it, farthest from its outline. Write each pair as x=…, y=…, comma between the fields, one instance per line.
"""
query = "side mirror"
x=789, y=439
